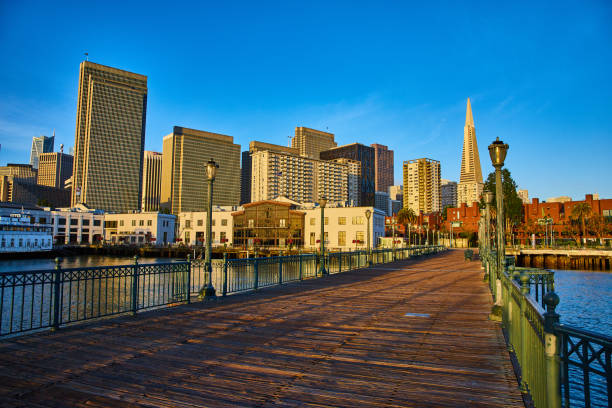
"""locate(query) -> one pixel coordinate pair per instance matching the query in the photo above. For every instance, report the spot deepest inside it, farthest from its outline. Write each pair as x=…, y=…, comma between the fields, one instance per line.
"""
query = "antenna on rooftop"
x=86, y=56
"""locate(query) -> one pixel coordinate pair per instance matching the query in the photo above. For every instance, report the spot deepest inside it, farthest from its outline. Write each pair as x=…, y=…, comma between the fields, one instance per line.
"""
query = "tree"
x=581, y=212
x=597, y=224
x=513, y=206
x=407, y=217
x=444, y=212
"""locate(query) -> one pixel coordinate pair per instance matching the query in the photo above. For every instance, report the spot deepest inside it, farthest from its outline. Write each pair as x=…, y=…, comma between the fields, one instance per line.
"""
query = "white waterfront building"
x=19, y=234
x=139, y=228
x=192, y=226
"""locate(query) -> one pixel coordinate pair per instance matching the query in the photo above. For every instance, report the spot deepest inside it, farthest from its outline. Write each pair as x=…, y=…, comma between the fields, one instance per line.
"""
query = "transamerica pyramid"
x=470, y=183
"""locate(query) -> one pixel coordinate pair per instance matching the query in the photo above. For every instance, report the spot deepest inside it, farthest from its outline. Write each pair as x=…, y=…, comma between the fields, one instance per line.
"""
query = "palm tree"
x=581, y=212
x=407, y=217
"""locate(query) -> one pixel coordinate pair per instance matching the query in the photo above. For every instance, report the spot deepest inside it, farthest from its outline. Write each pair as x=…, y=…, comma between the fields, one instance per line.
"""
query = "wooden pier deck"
x=341, y=341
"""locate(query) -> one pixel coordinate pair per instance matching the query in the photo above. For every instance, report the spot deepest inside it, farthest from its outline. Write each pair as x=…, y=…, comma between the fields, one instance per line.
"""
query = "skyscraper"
x=422, y=185
x=40, y=144
x=383, y=164
x=310, y=142
x=365, y=156
x=54, y=169
x=110, y=136
x=449, y=193
x=470, y=183
x=151, y=181
x=184, y=182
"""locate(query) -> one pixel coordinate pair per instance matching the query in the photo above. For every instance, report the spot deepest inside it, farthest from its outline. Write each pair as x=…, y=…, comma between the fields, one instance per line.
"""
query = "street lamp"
x=368, y=214
x=497, y=151
x=322, y=204
x=211, y=173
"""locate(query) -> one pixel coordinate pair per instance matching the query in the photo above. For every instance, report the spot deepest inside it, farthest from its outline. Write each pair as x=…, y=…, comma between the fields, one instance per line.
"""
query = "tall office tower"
x=397, y=192
x=523, y=195
x=470, y=183
x=54, y=169
x=41, y=144
x=184, y=182
x=310, y=142
x=383, y=168
x=110, y=136
x=354, y=175
x=449, y=193
x=151, y=181
x=422, y=185
x=364, y=155
x=247, y=164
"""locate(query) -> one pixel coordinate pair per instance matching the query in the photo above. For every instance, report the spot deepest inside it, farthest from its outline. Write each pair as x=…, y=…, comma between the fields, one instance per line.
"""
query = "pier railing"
x=43, y=299
x=560, y=365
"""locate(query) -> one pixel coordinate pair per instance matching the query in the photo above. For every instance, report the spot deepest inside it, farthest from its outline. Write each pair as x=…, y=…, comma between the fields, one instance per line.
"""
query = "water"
x=74, y=262
x=585, y=303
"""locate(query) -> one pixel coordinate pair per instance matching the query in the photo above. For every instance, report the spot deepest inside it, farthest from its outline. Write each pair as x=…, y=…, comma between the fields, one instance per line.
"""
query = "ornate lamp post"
x=322, y=204
x=497, y=151
x=211, y=173
x=368, y=214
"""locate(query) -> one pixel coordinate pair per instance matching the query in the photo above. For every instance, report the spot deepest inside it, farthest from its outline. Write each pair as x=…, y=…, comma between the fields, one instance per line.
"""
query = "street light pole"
x=497, y=151
x=322, y=204
x=211, y=172
x=368, y=214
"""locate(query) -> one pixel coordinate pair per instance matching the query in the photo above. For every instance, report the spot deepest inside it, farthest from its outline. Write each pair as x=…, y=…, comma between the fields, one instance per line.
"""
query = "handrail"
x=52, y=298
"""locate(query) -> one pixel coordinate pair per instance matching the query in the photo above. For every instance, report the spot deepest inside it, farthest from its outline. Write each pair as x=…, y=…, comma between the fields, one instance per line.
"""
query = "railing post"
x=524, y=325
x=256, y=272
x=280, y=268
x=552, y=344
x=339, y=262
x=224, y=289
x=188, y=282
x=350, y=257
x=57, y=274
x=135, y=287
x=300, y=261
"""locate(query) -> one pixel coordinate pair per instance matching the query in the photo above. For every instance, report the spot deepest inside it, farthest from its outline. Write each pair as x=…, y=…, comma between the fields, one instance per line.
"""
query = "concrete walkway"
x=412, y=333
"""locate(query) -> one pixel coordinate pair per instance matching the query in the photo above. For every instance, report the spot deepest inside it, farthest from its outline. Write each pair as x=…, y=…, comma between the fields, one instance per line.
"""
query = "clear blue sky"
x=539, y=76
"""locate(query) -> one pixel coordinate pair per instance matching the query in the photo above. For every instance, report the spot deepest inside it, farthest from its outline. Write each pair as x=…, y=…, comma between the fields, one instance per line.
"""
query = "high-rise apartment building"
x=184, y=182
x=422, y=185
x=449, y=193
x=247, y=164
x=40, y=144
x=151, y=181
x=365, y=156
x=396, y=192
x=310, y=142
x=383, y=168
x=523, y=195
x=276, y=174
x=470, y=183
x=110, y=136
x=54, y=169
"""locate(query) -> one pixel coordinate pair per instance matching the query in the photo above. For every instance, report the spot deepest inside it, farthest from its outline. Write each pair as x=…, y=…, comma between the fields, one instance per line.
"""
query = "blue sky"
x=395, y=73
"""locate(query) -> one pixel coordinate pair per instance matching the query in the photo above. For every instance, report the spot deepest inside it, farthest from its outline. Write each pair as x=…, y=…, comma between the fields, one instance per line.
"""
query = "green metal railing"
x=43, y=299
x=560, y=365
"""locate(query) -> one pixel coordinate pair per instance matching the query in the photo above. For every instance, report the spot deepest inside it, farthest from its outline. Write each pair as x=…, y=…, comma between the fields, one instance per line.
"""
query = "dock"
x=409, y=333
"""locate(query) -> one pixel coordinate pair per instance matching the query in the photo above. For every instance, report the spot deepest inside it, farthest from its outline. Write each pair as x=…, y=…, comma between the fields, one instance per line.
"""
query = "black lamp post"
x=322, y=204
x=368, y=214
x=211, y=173
x=497, y=151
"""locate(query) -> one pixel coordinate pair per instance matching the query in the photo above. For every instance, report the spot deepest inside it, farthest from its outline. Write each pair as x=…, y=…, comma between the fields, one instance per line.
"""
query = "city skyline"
x=417, y=112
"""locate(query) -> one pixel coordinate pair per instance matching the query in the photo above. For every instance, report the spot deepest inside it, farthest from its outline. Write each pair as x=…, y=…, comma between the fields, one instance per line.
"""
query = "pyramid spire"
x=469, y=120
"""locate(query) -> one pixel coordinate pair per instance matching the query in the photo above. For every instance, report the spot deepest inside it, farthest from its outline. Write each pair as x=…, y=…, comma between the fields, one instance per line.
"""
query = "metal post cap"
x=551, y=300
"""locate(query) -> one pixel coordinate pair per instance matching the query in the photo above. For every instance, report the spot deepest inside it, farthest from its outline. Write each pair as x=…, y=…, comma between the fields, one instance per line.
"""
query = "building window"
x=149, y=223
x=341, y=238
x=133, y=223
x=224, y=222
x=312, y=221
x=282, y=223
x=312, y=238
x=74, y=221
x=326, y=237
x=121, y=223
x=61, y=221
x=251, y=223
x=85, y=222
x=213, y=222
x=187, y=240
x=326, y=220
x=223, y=236
x=187, y=223
x=359, y=237
x=341, y=220
x=358, y=220
x=141, y=223
x=96, y=223
x=200, y=223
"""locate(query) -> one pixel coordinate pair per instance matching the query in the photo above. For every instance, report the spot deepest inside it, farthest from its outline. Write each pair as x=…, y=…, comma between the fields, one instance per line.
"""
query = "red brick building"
x=468, y=216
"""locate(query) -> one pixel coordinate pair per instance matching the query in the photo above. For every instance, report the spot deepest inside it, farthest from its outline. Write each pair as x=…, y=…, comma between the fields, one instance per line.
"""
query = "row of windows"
x=200, y=236
x=356, y=220
x=359, y=240
x=200, y=223
x=28, y=243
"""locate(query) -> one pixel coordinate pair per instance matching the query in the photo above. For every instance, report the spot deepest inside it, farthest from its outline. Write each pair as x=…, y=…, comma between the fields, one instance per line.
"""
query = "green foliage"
x=444, y=212
x=513, y=206
x=406, y=216
x=164, y=210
